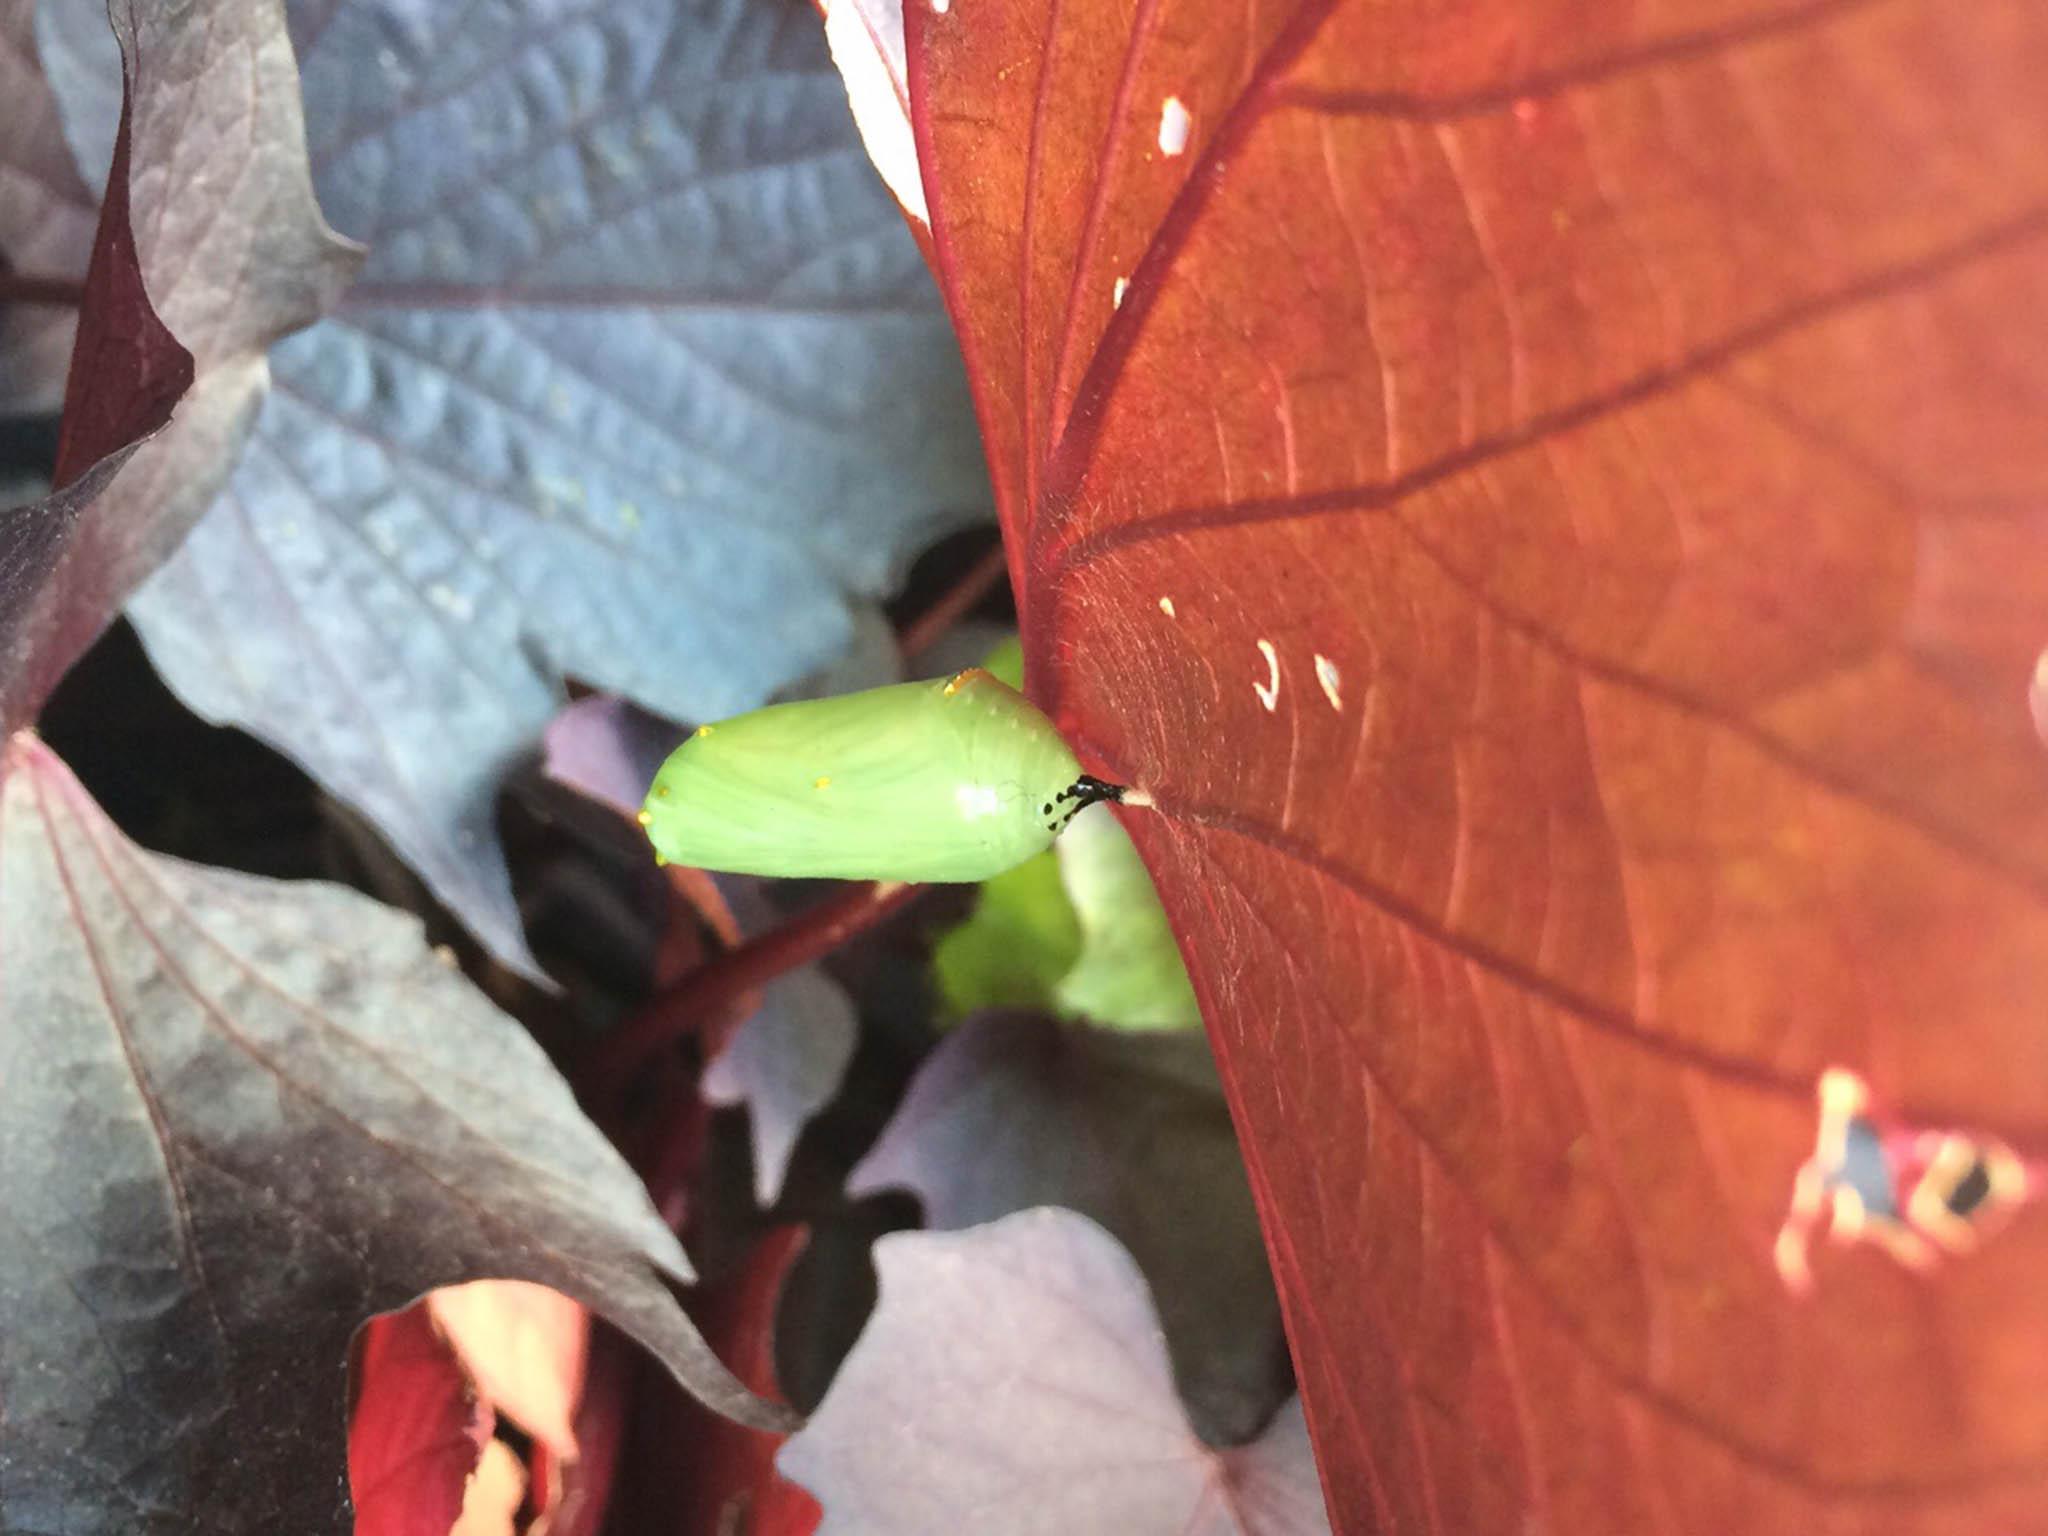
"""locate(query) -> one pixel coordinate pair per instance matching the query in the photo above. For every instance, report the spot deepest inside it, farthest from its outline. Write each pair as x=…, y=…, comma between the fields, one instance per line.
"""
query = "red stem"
x=28, y=288
x=698, y=1000
x=929, y=627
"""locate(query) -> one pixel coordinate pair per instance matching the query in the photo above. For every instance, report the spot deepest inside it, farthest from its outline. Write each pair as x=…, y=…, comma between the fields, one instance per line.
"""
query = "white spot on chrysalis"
x=1166, y=606
x=1174, y=123
x=1331, y=679
x=976, y=800
x=1116, y=294
x=1269, y=691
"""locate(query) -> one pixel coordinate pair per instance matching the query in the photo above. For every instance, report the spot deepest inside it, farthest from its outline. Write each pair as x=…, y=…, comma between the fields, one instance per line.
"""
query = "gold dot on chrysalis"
x=645, y=818
x=660, y=862
x=703, y=730
x=661, y=791
x=821, y=782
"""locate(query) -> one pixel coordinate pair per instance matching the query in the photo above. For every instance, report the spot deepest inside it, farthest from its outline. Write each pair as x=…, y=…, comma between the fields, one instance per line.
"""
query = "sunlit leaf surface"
x=1550, y=501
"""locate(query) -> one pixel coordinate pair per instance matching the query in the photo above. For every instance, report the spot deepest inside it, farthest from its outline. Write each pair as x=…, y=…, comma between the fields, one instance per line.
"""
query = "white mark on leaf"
x=1116, y=294
x=1331, y=679
x=1269, y=691
x=1174, y=124
x=1166, y=606
x=378, y=529
x=2037, y=696
x=451, y=602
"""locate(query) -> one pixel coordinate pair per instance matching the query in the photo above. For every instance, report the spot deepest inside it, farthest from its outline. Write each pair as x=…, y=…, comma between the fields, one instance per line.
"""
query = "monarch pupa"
x=953, y=780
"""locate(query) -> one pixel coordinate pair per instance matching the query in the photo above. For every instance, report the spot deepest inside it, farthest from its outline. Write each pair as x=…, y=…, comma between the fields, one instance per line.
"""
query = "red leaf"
x=62, y=577
x=697, y=1473
x=416, y=1430
x=127, y=369
x=1558, y=524
x=736, y=1465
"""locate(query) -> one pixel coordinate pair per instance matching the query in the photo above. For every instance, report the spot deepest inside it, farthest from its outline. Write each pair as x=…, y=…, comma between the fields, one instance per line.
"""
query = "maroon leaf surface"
x=1011, y=1381
x=1550, y=501
x=237, y=1117
x=64, y=570
x=210, y=219
x=728, y=1479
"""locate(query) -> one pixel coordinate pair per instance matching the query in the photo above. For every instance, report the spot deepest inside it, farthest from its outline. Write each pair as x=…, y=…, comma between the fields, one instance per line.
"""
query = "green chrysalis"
x=954, y=780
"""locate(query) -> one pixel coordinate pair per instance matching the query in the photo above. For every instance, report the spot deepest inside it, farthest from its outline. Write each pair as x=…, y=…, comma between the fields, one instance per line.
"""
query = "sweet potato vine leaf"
x=1011, y=1380
x=1015, y=1110
x=1551, y=502
x=68, y=560
x=46, y=220
x=644, y=383
x=724, y=1474
x=238, y=1117
x=232, y=252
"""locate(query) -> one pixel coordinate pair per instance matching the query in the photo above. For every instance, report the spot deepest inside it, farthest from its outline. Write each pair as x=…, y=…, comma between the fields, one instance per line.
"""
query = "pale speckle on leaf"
x=1331, y=679
x=1269, y=691
x=1175, y=123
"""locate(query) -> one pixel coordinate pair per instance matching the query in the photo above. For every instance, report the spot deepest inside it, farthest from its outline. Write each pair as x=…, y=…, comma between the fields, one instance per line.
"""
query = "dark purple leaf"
x=41, y=632
x=608, y=749
x=785, y=1063
x=1014, y=1110
x=209, y=224
x=237, y=1117
x=127, y=371
x=46, y=220
x=644, y=383
x=68, y=560
x=1011, y=1381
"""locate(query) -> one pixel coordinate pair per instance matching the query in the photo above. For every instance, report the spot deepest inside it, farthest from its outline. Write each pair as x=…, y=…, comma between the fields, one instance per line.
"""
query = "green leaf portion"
x=1021, y=939
x=1006, y=661
x=1129, y=973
